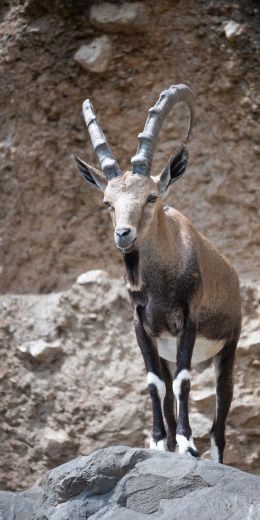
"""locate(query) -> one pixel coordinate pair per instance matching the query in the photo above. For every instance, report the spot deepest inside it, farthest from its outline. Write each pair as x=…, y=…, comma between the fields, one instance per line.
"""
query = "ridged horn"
x=108, y=163
x=142, y=161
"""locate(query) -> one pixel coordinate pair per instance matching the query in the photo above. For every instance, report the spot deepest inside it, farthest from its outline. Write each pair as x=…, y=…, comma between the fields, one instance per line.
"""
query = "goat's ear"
x=174, y=169
x=91, y=174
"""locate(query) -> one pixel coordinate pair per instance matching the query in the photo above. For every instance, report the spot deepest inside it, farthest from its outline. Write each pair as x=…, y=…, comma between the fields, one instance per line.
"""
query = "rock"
x=250, y=342
x=127, y=17
x=41, y=350
x=20, y=506
x=233, y=29
x=40, y=25
x=126, y=483
x=55, y=444
x=95, y=56
x=96, y=276
x=203, y=397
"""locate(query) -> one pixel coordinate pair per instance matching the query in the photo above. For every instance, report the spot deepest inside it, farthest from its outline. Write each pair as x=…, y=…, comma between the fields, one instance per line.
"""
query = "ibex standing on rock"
x=184, y=293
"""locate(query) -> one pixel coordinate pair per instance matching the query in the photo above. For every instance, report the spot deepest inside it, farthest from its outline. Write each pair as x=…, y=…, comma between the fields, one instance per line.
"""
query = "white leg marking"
x=214, y=449
x=184, y=375
x=184, y=444
x=161, y=445
x=152, y=379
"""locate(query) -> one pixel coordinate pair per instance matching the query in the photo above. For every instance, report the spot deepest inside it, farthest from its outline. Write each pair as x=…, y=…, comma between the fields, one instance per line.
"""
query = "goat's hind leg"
x=224, y=365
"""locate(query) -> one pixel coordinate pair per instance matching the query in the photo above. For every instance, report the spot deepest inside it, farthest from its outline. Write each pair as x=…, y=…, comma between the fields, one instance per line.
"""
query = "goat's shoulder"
x=186, y=264
x=198, y=250
x=185, y=234
x=193, y=240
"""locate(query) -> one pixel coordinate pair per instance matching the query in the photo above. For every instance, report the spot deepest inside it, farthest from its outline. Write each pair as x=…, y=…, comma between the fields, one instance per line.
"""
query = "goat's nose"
x=122, y=232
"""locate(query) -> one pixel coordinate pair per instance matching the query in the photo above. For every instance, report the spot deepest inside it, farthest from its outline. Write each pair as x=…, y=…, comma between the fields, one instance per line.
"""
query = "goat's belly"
x=204, y=349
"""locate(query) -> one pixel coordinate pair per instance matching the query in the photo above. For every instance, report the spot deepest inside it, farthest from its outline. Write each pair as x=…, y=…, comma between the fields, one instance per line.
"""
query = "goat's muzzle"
x=125, y=238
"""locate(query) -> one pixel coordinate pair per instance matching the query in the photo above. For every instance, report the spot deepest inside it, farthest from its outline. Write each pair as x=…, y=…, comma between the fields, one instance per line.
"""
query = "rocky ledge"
x=121, y=483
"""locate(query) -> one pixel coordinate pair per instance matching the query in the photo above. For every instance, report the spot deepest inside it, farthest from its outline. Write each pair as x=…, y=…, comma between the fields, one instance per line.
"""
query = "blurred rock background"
x=71, y=376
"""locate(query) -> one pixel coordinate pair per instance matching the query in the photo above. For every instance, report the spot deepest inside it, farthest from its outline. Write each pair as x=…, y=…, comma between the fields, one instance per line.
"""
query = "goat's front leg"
x=181, y=387
x=155, y=382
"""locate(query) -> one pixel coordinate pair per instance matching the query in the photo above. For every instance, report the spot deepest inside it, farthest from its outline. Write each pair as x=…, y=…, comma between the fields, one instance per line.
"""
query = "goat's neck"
x=155, y=252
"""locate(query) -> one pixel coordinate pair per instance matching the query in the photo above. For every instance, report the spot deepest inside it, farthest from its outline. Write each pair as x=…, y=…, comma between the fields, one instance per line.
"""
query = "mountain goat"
x=185, y=294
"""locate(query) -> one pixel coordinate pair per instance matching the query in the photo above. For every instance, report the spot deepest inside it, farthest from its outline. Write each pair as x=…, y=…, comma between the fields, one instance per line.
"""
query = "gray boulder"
x=121, y=483
x=20, y=506
x=128, y=17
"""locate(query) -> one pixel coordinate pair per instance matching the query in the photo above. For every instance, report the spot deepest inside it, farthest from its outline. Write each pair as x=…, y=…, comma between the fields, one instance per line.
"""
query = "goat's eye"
x=107, y=204
x=152, y=198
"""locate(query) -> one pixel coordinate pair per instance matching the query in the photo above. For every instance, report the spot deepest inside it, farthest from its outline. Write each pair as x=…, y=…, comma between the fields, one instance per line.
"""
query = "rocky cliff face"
x=125, y=483
x=52, y=226
x=73, y=380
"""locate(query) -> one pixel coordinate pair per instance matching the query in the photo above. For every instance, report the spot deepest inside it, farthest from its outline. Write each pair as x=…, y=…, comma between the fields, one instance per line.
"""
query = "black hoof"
x=193, y=452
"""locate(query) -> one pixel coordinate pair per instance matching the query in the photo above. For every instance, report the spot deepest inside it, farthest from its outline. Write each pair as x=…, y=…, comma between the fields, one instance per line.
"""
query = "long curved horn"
x=142, y=161
x=107, y=161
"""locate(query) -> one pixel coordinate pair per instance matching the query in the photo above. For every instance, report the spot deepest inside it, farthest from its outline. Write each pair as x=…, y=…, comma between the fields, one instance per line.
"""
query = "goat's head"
x=133, y=198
